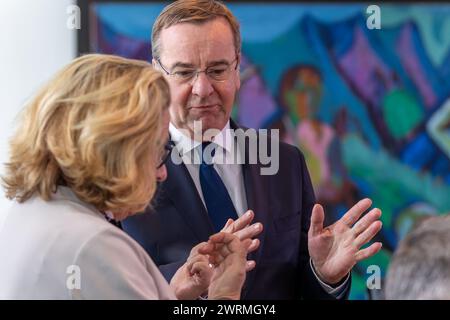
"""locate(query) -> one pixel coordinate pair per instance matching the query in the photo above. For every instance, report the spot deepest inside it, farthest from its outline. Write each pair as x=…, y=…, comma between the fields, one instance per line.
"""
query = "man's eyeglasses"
x=166, y=153
x=217, y=73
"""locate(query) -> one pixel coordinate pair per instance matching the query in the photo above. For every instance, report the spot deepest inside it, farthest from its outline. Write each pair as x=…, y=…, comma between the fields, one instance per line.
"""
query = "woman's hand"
x=192, y=279
x=228, y=255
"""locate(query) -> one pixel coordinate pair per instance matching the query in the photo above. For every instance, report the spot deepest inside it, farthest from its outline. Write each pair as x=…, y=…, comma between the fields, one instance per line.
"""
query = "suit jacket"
x=178, y=220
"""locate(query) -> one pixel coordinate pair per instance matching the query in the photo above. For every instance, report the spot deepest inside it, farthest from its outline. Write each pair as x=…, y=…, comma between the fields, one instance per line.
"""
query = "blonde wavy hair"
x=95, y=127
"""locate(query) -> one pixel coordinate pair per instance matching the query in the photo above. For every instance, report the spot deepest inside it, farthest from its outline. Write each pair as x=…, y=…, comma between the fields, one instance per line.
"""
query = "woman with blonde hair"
x=91, y=146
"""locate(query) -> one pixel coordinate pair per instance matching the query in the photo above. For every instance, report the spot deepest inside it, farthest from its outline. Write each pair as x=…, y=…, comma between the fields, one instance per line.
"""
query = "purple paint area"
x=365, y=70
x=256, y=105
x=408, y=57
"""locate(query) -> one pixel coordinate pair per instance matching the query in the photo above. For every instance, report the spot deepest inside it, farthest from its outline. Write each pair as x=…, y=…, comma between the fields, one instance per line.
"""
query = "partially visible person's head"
x=420, y=267
x=301, y=91
x=96, y=127
x=194, y=35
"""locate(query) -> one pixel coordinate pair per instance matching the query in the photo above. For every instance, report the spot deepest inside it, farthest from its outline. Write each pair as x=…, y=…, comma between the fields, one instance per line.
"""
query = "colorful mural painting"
x=370, y=109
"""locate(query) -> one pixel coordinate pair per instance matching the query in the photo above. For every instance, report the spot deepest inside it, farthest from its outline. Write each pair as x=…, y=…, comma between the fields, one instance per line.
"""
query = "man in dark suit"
x=196, y=44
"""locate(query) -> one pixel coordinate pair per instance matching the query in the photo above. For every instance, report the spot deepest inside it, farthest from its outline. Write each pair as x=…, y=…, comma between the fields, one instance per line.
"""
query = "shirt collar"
x=185, y=144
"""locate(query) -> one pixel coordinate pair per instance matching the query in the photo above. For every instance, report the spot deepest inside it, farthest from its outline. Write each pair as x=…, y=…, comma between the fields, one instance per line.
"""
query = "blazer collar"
x=258, y=200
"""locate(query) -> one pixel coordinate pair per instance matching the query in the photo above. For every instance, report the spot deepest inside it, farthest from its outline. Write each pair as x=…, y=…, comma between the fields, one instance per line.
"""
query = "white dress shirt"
x=230, y=171
x=65, y=249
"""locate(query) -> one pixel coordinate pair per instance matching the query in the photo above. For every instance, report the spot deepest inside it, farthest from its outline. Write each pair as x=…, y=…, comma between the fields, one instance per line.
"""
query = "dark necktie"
x=218, y=202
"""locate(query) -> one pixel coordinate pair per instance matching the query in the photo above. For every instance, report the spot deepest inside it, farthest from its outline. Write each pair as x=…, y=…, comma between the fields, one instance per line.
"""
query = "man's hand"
x=192, y=279
x=244, y=230
x=228, y=255
x=336, y=249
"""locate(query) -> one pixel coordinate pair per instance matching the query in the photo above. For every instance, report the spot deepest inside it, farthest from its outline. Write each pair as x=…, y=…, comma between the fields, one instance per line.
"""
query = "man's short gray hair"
x=193, y=11
x=420, y=267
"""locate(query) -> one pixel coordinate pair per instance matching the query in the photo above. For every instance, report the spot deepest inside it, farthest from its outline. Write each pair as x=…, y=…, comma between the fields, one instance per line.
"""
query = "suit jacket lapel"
x=182, y=191
x=257, y=192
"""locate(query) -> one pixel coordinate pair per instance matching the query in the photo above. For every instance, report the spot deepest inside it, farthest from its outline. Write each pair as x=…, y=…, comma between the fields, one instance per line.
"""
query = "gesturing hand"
x=228, y=255
x=336, y=249
x=192, y=279
x=243, y=229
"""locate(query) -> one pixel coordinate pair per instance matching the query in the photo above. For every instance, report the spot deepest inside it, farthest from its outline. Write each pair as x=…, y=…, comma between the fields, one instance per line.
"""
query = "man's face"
x=199, y=46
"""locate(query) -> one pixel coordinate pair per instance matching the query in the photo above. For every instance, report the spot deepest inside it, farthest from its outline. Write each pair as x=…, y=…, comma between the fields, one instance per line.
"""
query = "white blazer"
x=66, y=249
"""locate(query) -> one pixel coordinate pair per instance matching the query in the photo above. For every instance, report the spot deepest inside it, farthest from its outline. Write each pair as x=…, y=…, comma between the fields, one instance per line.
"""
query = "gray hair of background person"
x=420, y=268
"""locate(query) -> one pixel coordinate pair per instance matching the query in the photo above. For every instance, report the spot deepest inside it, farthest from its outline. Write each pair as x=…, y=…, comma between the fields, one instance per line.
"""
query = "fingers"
x=356, y=211
x=366, y=221
x=250, y=231
x=245, y=244
x=240, y=223
x=224, y=238
x=195, y=250
x=229, y=222
x=226, y=244
x=368, y=234
x=235, y=252
x=244, y=230
x=208, y=248
x=317, y=218
x=232, y=246
x=220, y=239
x=251, y=264
x=202, y=274
x=368, y=252
x=221, y=243
x=254, y=245
x=197, y=264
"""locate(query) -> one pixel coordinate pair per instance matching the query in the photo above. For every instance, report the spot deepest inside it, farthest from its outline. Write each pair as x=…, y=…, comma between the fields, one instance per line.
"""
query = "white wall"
x=35, y=42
